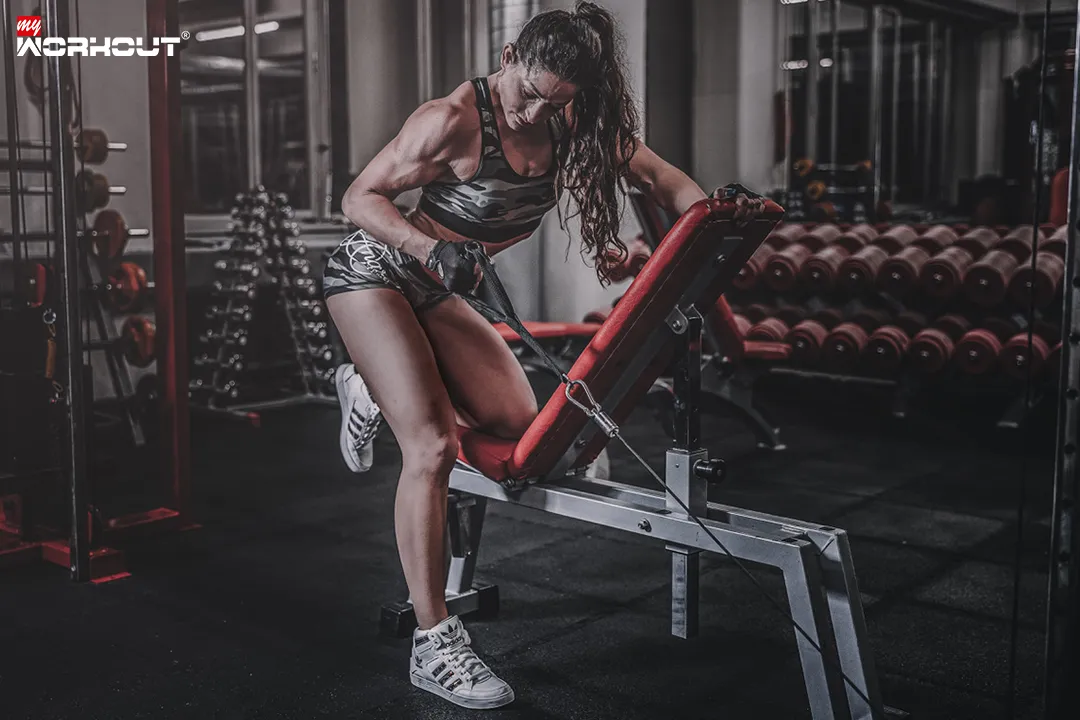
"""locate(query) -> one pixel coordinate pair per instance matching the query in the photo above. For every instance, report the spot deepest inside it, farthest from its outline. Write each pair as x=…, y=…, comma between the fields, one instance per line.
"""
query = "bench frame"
x=815, y=560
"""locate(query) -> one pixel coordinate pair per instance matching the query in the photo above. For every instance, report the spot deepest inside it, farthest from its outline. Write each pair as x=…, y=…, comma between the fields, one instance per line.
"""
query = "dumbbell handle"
x=236, y=338
x=235, y=362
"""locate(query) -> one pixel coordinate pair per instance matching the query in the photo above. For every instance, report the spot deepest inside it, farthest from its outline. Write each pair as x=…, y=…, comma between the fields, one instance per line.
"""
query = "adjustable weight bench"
x=728, y=375
x=656, y=327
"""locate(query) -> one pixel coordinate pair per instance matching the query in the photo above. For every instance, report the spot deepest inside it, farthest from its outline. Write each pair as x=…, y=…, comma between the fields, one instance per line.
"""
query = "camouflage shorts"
x=361, y=262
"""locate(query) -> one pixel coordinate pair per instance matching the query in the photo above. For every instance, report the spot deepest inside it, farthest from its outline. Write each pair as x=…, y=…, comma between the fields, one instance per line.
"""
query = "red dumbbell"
x=932, y=348
x=899, y=275
x=756, y=313
x=943, y=275
x=978, y=350
x=1055, y=243
x=888, y=345
x=782, y=269
x=598, y=316
x=842, y=349
x=858, y=272
x=1041, y=286
x=743, y=324
x=986, y=282
x=1016, y=355
x=819, y=273
x=36, y=283
x=776, y=327
x=638, y=253
x=784, y=236
x=807, y=337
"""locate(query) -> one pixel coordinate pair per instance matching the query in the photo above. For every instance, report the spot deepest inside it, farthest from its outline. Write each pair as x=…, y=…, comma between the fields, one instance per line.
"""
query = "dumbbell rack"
x=242, y=353
x=906, y=380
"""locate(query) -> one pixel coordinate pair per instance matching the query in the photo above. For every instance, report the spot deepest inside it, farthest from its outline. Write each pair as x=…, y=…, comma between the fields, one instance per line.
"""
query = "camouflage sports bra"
x=495, y=204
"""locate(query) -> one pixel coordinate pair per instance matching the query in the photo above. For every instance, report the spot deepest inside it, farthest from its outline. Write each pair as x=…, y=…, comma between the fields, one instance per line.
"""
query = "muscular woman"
x=492, y=158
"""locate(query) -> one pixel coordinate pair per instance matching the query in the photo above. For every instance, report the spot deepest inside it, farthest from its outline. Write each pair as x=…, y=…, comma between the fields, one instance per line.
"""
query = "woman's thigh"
x=394, y=356
x=484, y=378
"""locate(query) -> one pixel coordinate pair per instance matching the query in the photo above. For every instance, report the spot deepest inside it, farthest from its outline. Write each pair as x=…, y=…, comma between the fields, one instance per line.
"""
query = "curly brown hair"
x=583, y=47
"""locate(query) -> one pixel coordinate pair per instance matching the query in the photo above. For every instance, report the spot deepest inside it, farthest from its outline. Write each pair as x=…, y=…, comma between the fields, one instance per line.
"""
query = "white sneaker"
x=360, y=418
x=443, y=663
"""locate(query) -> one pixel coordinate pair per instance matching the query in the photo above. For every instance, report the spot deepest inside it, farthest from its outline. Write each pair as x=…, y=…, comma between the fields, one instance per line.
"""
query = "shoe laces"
x=459, y=656
x=370, y=428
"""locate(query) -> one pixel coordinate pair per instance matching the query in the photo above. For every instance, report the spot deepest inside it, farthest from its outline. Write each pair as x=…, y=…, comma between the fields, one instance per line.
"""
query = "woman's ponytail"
x=583, y=47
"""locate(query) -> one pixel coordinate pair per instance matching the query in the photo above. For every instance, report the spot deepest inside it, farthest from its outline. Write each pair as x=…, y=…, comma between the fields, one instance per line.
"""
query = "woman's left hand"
x=747, y=208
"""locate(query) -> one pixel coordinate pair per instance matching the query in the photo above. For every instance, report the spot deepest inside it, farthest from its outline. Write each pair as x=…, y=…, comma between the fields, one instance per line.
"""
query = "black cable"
x=1025, y=443
x=509, y=316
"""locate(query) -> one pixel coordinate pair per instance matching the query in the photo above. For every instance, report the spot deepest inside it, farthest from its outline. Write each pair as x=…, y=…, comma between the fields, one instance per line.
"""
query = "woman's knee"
x=430, y=453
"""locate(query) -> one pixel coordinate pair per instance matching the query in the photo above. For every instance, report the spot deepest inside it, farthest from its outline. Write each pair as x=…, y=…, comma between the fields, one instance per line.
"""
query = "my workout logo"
x=28, y=26
x=30, y=42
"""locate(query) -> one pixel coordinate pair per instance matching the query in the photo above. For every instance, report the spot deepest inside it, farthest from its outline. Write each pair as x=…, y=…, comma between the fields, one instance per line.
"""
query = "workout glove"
x=460, y=272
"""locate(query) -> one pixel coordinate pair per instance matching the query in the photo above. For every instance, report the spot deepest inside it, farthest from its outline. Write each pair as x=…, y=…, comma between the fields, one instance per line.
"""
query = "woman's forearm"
x=378, y=215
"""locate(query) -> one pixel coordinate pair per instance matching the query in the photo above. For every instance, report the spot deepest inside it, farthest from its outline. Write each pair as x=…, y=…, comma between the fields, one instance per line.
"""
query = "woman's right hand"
x=458, y=270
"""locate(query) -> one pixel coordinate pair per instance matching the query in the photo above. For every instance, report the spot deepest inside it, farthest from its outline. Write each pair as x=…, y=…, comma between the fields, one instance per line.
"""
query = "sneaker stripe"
x=454, y=685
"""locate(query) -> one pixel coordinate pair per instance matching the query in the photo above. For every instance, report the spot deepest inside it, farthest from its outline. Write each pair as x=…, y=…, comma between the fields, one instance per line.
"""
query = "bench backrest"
x=693, y=266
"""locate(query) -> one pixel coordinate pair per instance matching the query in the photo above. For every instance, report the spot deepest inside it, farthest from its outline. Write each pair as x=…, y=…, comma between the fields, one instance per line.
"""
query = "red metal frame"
x=166, y=150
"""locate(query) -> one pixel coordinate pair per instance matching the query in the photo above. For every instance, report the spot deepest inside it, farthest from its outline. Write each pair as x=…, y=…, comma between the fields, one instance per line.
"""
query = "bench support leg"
x=825, y=686
x=685, y=586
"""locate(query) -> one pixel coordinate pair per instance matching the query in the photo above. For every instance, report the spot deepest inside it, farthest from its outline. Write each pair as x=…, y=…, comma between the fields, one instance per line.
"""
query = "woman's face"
x=530, y=96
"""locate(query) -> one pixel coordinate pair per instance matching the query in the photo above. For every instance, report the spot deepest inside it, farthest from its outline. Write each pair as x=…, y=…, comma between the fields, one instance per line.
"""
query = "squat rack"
x=73, y=404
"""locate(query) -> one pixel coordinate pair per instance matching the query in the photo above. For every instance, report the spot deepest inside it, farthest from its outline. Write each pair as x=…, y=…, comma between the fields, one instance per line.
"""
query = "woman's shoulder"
x=450, y=116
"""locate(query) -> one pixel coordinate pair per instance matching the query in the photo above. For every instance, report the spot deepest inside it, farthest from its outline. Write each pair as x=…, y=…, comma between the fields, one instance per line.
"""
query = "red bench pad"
x=689, y=248
x=548, y=330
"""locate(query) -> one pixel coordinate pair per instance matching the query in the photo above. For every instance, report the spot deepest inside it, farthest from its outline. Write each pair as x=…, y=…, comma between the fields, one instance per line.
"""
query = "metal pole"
x=895, y=126
x=834, y=110
x=317, y=99
x=877, y=67
x=916, y=105
x=813, y=75
x=482, y=50
x=12, y=139
x=931, y=107
x=467, y=38
x=1063, y=598
x=170, y=300
x=251, y=93
x=425, y=48
x=67, y=260
x=945, y=159
x=788, y=82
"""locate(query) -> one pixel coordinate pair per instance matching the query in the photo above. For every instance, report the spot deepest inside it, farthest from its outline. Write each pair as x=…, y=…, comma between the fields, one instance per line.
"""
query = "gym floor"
x=270, y=609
